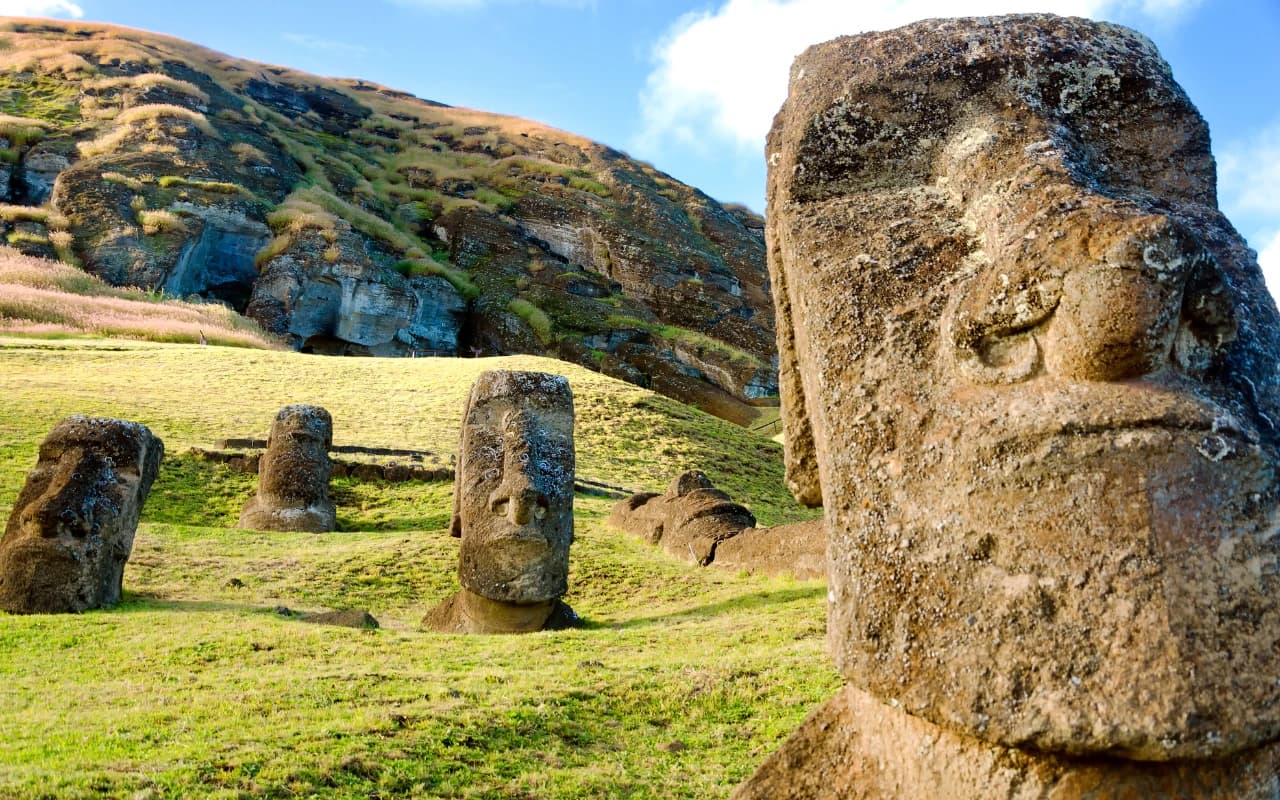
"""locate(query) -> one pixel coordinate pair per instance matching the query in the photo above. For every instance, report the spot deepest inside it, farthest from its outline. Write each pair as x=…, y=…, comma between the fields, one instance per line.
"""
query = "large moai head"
x=1031, y=370
x=513, y=497
x=72, y=527
x=293, y=475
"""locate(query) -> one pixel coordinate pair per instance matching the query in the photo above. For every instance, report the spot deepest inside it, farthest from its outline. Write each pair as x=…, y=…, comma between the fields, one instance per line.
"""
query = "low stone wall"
x=247, y=463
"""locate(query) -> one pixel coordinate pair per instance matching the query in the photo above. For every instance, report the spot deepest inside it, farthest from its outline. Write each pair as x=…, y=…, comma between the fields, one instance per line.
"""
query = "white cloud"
x=1269, y=260
x=724, y=73
x=40, y=8
x=1249, y=173
x=328, y=45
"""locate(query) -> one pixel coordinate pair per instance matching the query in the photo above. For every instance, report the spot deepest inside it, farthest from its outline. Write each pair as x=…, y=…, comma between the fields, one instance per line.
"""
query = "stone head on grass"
x=1031, y=370
x=293, y=475
x=72, y=527
x=513, y=502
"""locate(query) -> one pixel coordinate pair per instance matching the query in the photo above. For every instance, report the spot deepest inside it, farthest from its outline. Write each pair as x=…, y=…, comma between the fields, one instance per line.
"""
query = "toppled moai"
x=1031, y=371
x=293, y=475
x=512, y=507
x=689, y=521
x=72, y=527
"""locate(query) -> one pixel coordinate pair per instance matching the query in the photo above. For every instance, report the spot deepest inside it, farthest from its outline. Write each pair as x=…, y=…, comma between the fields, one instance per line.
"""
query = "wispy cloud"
x=472, y=5
x=723, y=73
x=1249, y=173
x=1248, y=177
x=328, y=45
x=40, y=8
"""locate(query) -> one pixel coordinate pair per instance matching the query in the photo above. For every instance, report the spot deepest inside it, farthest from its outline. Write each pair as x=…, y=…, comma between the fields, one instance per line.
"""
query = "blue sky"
x=691, y=86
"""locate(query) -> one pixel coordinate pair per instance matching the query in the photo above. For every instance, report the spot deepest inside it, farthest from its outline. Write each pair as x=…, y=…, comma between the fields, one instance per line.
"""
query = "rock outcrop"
x=1041, y=406
x=349, y=218
x=513, y=507
x=293, y=475
x=72, y=527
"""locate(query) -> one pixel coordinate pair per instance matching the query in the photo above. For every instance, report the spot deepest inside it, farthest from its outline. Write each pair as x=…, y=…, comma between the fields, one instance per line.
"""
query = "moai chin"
x=1031, y=370
x=72, y=527
x=293, y=475
x=513, y=506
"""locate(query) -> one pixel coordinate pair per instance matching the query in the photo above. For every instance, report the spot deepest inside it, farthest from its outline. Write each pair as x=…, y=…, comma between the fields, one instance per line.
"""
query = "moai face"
x=1032, y=370
x=295, y=468
x=293, y=475
x=72, y=527
x=513, y=504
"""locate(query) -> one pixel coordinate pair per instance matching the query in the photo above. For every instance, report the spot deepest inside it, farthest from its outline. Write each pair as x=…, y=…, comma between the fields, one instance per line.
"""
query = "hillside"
x=349, y=218
x=196, y=686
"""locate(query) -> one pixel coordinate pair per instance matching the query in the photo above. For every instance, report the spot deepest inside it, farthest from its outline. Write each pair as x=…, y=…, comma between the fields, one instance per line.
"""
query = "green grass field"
x=680, y=682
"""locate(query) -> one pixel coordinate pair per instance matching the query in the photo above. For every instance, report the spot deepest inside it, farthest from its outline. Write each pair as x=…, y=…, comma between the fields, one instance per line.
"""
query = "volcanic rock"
x=689, y=521
x=513, y=506
x=293, y=475
x=1041, y=405
x=71, y=529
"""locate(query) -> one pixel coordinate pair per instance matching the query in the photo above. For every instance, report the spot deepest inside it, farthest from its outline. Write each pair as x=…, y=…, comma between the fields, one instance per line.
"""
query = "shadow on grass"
x=747, y=603
x=143, y=603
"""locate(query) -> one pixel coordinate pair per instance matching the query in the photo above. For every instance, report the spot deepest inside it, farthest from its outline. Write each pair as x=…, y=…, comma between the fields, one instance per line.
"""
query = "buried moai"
x=689, y=520
x=1031, y=372
x=293, y=475
x=513, y=507
x=700, y=524
x=72, y=527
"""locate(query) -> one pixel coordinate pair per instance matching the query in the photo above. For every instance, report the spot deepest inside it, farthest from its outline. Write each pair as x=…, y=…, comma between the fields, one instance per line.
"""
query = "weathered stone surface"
x=798, y=550
x=856, y=748
x=1038, y=369
x=352, y=305
x=218, y=260
x=513, y=504
x=71, y=529
x=689, y=521
x=293, y=475
x=344, y=618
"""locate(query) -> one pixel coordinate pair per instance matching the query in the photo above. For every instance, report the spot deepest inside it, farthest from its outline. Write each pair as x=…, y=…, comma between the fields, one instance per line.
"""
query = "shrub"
x=155, y=111
x=148, y=79
x=535, y=317
x=124, y=180
x=248, y=154
x=220, y=187
x=588, y=185
x=12, y=213
x=22, y=131
x=155, y=221
x=425, y=265
x=272, y=249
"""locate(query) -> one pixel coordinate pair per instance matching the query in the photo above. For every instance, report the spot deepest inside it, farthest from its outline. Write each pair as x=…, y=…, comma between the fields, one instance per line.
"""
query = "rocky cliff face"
x=348, y=218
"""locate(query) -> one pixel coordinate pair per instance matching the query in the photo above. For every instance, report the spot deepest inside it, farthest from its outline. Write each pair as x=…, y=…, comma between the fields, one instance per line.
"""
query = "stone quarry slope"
x=352, y=219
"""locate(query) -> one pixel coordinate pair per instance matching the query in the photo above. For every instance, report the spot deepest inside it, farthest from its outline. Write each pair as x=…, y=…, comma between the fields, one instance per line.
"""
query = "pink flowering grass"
x=49, y=298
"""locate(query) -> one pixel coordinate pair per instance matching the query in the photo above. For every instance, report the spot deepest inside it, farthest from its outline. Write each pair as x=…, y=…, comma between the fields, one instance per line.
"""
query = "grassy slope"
x=682, y=680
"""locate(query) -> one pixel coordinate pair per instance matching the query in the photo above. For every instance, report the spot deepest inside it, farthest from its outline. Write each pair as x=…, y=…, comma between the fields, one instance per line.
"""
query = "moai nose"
x=1146, y=297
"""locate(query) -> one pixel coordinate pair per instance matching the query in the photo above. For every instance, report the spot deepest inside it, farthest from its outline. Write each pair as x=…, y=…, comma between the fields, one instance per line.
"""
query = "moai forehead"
x=1031, y=372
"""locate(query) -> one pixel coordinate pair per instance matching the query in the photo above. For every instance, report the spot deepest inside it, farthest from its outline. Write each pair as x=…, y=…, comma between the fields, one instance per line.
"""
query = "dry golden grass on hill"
x=52, y=299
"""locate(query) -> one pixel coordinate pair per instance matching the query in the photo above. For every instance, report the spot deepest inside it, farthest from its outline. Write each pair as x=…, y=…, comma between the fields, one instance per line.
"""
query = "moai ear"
x=455, y=526
x=798, y=448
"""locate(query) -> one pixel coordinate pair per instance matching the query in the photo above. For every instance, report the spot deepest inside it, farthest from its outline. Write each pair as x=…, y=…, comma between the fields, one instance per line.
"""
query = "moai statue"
x=293, y=475
x=512, y=507
x=689, y=521
x=71, y=529
x=1031, y=371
